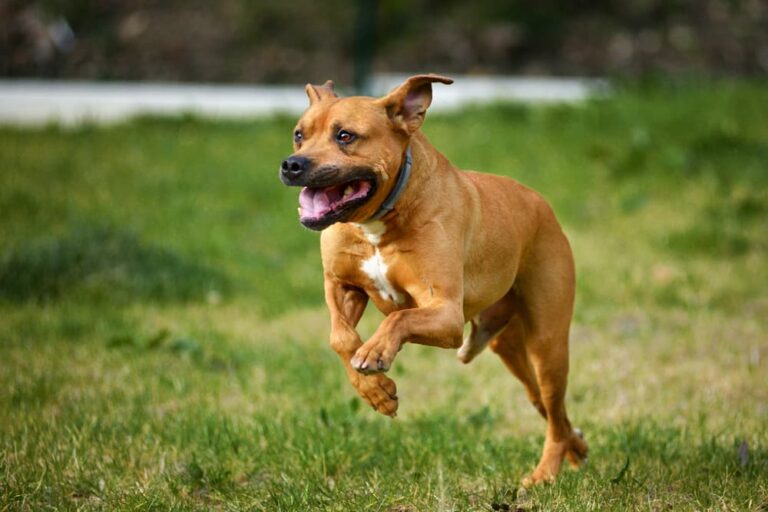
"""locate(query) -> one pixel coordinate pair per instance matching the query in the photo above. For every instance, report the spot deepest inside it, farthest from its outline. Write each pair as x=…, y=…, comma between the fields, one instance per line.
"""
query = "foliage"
x=304, y=40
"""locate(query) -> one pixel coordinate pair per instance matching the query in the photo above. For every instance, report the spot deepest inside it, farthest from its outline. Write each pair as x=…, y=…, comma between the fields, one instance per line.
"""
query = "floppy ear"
x=320, y=92
x=407, y=103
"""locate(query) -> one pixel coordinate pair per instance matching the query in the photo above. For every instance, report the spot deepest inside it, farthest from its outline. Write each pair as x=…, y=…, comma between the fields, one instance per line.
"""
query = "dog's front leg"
x=439, y=324
x=346, y=306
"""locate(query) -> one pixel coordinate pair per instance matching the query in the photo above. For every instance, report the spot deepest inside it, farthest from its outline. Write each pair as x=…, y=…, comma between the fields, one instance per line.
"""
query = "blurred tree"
x=304, y=40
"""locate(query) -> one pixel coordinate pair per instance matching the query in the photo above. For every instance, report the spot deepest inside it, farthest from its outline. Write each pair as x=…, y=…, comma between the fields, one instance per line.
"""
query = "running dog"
x=433, y=247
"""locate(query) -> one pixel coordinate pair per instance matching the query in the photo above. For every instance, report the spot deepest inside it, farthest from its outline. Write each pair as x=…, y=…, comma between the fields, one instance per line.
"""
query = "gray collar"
x=394, y=194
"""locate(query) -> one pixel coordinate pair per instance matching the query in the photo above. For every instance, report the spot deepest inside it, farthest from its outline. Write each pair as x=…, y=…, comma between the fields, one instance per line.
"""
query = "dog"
x=433, y=247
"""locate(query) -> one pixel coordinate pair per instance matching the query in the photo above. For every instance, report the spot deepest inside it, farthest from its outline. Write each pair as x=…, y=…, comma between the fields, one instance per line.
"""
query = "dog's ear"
x=320, y=92
x=407, y=103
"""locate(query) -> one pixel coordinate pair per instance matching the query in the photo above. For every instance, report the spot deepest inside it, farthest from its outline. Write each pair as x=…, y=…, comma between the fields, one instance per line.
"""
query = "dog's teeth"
x=348, y=191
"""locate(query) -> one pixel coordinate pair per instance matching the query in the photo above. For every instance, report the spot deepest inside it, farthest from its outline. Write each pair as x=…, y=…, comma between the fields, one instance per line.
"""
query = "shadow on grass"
x=102, y=262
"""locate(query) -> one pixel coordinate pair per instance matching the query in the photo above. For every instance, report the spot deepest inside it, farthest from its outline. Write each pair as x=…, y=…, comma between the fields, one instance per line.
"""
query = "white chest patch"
x=375, y=267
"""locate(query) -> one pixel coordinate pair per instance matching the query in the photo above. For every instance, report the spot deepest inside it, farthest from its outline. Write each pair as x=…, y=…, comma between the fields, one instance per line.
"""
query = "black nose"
x=293, y=166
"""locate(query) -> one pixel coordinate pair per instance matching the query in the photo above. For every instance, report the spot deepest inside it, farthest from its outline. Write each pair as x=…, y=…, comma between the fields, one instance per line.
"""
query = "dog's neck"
x=412, y=204
x=401, y=182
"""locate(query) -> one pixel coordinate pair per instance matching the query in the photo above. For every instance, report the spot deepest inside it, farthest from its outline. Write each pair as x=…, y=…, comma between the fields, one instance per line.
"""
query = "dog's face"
x=348, y=151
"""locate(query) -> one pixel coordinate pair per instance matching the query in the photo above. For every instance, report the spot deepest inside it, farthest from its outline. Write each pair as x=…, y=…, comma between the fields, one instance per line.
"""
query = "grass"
x=163, y=339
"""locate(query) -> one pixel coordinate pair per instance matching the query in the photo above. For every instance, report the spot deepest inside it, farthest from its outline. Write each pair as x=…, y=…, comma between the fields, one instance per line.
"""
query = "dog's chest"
x=375, y=267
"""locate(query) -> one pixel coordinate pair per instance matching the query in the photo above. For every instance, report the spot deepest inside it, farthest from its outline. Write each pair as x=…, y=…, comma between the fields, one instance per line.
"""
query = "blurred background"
x=163, y=334
x=293, y=42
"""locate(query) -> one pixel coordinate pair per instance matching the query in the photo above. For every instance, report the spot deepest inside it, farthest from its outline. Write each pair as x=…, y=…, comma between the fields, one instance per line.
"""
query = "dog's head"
x=348, y=151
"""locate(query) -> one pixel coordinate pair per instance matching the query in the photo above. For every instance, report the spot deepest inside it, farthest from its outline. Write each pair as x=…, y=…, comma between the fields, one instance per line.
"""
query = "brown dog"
x=433, y=247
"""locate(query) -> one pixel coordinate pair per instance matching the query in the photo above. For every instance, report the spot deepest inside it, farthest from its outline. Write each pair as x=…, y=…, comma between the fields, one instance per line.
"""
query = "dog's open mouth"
x=319, y=205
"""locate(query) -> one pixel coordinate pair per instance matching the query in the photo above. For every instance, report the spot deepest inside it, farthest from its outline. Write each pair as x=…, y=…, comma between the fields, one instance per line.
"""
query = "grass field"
x=163, y=338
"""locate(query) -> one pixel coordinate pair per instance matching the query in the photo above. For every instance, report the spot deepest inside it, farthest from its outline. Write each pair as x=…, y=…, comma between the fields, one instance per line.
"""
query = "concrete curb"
x=33, y=102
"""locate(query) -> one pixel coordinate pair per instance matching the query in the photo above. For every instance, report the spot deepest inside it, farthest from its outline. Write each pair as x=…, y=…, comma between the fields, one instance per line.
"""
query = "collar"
x=394, y=194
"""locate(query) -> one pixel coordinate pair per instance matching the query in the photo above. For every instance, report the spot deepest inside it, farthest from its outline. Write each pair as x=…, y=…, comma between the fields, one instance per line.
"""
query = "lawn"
x=163, y=339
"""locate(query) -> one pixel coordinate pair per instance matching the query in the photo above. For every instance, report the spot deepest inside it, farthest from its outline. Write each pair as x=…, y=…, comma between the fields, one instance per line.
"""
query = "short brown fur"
x=459, y=247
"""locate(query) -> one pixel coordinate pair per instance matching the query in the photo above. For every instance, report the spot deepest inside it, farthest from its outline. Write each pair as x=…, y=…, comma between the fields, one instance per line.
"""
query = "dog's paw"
x=380, y=392
x=577, y=449
x=374, y=357
x=537, y=478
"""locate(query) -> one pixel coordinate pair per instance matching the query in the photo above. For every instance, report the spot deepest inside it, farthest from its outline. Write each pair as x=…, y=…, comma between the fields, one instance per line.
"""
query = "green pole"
x=365, y=43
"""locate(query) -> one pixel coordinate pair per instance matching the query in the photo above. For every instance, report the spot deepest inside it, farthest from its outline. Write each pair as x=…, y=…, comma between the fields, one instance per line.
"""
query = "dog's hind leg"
x=509, y=345
x=562, y=440
x=547, y=292
x=486, y=326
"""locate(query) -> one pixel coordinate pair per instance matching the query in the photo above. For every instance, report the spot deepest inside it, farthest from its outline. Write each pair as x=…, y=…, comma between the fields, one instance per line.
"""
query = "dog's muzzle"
x=329, y=194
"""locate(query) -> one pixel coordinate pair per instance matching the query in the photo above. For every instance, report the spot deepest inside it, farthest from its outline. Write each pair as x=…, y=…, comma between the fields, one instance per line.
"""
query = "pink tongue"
x=314, y=203
x=321, y=202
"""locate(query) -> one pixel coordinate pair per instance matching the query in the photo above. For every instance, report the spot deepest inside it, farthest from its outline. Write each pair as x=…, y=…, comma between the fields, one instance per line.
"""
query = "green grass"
x=163, y=337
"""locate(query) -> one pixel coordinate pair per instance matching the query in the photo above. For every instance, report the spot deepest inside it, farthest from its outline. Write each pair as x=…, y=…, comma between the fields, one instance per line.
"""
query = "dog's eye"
x=298, y=136
x=345, y=137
